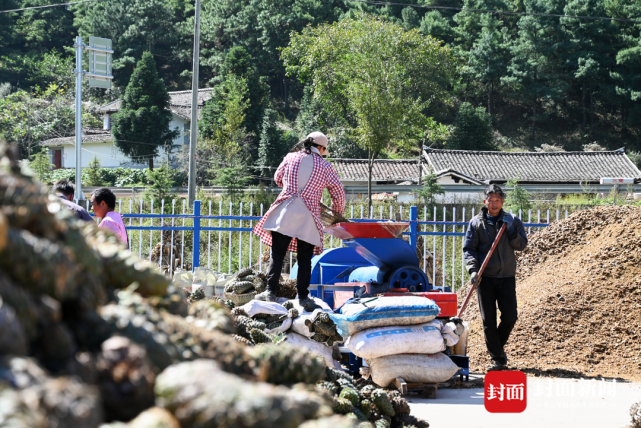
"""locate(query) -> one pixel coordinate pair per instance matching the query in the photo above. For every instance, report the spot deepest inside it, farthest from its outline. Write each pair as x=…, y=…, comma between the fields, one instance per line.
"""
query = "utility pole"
x=193, y=132
x=99, y=75
x=78, y=72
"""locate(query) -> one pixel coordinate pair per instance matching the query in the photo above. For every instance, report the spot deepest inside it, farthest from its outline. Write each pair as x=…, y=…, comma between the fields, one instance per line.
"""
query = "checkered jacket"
x=323, y=176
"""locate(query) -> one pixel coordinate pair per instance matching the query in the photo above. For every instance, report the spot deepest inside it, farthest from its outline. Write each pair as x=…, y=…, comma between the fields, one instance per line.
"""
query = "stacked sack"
x=260, y=322
x=398, y=337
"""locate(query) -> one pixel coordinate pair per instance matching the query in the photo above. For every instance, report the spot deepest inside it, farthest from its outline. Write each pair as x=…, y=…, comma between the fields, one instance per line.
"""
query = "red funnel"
x=388, y=229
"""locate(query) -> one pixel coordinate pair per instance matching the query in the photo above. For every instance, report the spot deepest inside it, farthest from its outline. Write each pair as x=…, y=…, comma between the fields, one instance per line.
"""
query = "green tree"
x=142, y=123
x=518, y=198
x=587, y=54
x=472, y=130
x=222, y=123
x=273, y=146
x=262, y=28
x=27, y=119
x=534, y=73
x=233, y=180
x=376, y=72
x=40, y=164
x=162, y=183
x=93, y=174
x=488, y=57
x=430, y=189
x=238, y=66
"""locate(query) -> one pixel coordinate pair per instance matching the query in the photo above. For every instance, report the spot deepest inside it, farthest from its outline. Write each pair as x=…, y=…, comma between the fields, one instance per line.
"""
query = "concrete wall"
x=107, y=153
x=183, y=129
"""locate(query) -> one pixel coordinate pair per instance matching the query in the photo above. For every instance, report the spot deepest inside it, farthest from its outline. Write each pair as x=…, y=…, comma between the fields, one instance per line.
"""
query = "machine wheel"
x=410, y=277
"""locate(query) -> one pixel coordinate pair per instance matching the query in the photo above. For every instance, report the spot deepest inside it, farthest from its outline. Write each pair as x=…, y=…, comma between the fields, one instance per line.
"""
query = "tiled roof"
x=383, y=169
x=535, y=167
x=88, y=136
x=180, y=103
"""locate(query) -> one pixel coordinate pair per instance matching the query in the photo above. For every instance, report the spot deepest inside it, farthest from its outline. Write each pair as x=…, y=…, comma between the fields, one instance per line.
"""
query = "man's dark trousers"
x=491, y=291
x=280, y=243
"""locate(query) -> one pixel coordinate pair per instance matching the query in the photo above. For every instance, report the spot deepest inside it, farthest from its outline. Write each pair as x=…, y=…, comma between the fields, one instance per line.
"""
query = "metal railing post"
x=196, y=250
x=413, y=226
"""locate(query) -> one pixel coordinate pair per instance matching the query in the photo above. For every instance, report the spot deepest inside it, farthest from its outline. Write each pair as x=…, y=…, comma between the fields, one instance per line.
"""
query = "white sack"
x=254, y=307
x=320, y=302
x=183, y=279
x=286, y=325
x=298, y=325
x=461, y=347
x=377, y=342
x=384, y=311
x=449, y=334
x=317, y=348
x=426, y=368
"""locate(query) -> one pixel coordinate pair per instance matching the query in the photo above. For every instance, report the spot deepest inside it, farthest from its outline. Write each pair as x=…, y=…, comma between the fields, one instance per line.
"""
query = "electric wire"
x=47, y=6
x=383, y=3
x=504, y=12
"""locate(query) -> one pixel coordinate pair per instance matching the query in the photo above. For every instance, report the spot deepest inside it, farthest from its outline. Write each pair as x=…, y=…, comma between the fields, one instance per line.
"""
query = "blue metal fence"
x=448, y=232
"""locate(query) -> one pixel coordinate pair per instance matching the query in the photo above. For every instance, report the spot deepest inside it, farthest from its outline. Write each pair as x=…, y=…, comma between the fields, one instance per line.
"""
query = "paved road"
x=552, y=403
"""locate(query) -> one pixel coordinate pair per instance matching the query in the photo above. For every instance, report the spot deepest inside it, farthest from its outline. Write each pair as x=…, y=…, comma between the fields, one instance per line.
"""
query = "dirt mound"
x=579, y=299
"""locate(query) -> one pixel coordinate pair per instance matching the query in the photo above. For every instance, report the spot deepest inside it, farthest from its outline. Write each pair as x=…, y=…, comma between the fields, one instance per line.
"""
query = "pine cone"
x=125, y=379
x=380, y=399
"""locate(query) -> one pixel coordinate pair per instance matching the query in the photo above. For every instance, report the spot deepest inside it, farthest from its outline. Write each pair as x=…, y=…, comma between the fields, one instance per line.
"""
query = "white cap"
x=319, y=138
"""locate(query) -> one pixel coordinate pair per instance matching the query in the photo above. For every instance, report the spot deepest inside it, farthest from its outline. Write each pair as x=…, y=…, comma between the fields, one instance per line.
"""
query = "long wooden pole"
x=478, y=279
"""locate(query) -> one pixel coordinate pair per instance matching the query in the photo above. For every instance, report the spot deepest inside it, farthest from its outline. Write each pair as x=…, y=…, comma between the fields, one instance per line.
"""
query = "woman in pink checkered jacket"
x=293, y=221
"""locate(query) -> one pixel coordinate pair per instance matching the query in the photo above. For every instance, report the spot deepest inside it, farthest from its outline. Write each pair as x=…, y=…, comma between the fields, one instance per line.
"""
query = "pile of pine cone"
x=167, y=253
x=90, y=334
x=245, y=281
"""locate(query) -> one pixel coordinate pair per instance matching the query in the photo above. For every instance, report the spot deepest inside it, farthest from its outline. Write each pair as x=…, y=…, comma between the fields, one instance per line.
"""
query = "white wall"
x=180, y=123
x=108, y=154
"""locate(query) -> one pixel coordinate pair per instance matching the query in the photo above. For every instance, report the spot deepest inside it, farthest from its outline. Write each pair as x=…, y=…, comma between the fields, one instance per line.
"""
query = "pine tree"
x=233, y=180
x=518, y=199
x=92, y=173
x=430, y=189
x=162, y=182
x=142, y=123
x=273, y=145
x=488, y=58
x=587, y=54
x=472, y=130
x=534, y=70
x=41, y=164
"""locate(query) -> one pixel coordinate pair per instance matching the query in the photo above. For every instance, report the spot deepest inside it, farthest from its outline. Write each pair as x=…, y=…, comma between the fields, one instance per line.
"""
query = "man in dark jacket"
x=498, y=285
x=65, y=191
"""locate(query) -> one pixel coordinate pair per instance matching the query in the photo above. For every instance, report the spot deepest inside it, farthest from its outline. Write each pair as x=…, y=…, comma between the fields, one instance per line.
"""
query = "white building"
x=100, y=142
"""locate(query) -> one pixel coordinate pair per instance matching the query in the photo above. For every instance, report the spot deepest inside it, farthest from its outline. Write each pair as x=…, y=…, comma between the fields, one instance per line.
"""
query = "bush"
x=114, y=177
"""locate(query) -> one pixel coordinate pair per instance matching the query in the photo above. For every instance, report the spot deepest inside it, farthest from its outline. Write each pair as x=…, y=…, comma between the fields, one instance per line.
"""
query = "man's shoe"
x=308, y=304
x=266, y=296
x=496, y=366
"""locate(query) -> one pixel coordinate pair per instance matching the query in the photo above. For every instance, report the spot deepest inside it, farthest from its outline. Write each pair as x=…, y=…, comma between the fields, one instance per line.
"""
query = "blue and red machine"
x=375, y=256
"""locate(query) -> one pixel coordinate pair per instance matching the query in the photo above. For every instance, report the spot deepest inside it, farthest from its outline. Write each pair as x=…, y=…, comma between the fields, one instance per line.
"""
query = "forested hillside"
x=543, y=82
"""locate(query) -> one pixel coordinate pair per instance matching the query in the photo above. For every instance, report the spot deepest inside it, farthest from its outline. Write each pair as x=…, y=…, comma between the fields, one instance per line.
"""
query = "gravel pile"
x=579, y=298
